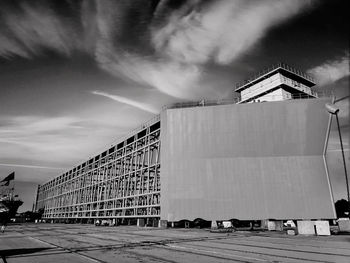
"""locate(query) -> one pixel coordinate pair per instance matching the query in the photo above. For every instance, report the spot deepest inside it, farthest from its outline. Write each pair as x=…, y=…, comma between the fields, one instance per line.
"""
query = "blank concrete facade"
x=245, y=161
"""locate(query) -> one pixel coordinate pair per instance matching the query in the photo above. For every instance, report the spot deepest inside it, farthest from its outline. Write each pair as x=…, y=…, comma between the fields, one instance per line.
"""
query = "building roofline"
x=303, y=77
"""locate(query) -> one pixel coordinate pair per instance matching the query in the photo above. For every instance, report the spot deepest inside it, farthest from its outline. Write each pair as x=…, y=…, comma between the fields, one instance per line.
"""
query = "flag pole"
x=13, y=187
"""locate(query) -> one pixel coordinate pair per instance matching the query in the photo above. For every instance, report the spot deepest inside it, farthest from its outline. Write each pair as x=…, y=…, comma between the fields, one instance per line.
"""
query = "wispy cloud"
x=37, y=137
x=34, y=27
x=166, y=50
x=221, y=31
x=136, y=104
x=331, y=71
x=30, y=166
x=169, y=77
x=192, y=36
x=28, y=140
x=55, y=139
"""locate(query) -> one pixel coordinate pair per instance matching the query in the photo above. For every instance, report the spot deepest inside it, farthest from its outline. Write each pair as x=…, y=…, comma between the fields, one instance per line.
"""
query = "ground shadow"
x=20, y=251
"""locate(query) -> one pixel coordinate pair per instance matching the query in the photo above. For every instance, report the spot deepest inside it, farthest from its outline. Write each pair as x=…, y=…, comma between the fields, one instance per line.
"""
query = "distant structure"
x=9, y=201
x=209, y=160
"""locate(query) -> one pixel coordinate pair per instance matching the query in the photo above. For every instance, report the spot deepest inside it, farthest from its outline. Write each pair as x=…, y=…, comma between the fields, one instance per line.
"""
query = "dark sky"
x=75, y=75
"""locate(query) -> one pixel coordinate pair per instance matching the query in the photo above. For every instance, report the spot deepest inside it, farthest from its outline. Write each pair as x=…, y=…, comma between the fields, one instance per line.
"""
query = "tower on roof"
x=279, y=82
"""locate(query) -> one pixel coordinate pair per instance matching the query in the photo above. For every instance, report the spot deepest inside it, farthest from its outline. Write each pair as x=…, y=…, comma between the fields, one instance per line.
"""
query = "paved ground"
x=86, y=243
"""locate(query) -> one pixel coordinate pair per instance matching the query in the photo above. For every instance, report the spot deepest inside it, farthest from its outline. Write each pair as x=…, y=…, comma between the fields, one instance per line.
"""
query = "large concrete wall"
x=247, y=161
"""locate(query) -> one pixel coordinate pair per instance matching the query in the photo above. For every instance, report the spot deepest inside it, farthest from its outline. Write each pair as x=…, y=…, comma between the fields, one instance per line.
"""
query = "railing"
x=203, y=103
x=271, y=68
x=139, y=128
x=279, y=97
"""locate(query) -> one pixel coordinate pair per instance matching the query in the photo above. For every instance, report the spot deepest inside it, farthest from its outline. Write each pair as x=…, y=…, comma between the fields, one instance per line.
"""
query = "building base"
x=163, y=224
x=140, y=222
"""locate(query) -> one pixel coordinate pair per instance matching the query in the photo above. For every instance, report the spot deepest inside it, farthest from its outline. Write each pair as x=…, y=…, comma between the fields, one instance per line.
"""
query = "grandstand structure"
x=121, y=182
x=220, y=160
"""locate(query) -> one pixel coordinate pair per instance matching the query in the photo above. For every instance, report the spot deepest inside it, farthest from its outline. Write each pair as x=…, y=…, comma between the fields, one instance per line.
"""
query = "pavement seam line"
x=214, y=252
x=68, y=250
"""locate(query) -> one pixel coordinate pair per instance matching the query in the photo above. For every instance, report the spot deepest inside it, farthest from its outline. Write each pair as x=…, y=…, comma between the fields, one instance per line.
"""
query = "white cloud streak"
x=30, y=166
x=43, y=139
x=172, y=78
x=331, y=71
x=133, y=103
x=58, y=140
x=34, y=135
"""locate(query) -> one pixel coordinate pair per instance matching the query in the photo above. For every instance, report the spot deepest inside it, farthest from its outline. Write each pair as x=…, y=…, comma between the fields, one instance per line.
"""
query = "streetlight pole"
x=342, y=152
x=334, y=111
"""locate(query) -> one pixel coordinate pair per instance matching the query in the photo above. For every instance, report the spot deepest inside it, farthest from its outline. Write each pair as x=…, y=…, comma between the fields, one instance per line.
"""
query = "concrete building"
x=210, y=160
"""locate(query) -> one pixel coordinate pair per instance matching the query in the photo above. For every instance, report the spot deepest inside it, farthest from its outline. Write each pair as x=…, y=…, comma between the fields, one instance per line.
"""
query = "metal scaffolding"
x=122, y=182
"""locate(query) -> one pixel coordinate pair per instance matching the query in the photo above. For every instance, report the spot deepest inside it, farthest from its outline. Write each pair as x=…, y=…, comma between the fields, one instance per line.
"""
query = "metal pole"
x=342, y=151
x=325, y=162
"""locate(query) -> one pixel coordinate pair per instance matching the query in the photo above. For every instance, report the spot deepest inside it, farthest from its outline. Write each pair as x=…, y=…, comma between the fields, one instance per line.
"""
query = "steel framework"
x=122, y=182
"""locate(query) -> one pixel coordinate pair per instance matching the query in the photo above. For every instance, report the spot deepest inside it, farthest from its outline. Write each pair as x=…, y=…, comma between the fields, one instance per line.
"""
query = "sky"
x=75, y=75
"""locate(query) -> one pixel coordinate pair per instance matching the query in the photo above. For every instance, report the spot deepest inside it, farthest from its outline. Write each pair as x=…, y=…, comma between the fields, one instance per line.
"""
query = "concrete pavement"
x=87, y=243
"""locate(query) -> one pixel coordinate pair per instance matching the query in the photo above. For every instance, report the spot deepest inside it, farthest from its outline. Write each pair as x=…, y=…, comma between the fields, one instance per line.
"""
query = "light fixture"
x=332, y=109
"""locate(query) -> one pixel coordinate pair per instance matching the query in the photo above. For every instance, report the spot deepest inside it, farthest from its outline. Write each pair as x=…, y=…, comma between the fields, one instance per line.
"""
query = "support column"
x=306, y=227
x=274, y=225
x=163, y=224
x=140, y=222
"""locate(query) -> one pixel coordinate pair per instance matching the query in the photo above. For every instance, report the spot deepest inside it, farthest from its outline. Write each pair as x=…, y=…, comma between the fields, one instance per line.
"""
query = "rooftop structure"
x=278, y=82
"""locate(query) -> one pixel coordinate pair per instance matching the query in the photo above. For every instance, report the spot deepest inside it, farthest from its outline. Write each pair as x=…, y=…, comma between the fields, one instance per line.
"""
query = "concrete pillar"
x=156, y=222
x=163, y=224
x=227, y=224
x=291, y=232
x=344, y=225
x=306, y=227
x=264, y=224
x=140, y=222
x=279, y=225
x=322, y=228
x=271, y=225
x=276, y=225
x=214, y=224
